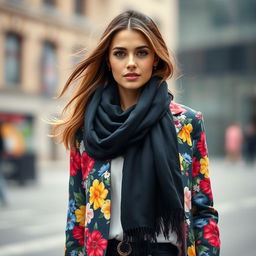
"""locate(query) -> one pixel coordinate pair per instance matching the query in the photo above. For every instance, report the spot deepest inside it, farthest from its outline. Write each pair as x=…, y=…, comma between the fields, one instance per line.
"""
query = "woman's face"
x=131, y=59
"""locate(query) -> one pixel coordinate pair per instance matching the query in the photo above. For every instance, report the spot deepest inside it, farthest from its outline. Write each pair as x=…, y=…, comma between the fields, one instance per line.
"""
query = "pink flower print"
x=187, y=199
x=88, y=214
x=176, y=108
x=199, y=116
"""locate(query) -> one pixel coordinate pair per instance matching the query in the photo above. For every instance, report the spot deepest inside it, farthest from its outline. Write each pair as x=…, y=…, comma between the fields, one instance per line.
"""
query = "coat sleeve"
x=205, y=217
x=75, y=226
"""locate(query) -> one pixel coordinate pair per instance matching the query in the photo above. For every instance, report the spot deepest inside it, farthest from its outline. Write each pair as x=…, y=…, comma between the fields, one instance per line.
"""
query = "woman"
x=139, y=181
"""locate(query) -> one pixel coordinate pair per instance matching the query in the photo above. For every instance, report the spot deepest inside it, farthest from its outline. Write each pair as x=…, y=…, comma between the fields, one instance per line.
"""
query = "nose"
x=131, y=62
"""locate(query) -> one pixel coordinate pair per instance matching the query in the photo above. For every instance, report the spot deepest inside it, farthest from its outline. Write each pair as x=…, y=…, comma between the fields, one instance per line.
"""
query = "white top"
x=116, y=230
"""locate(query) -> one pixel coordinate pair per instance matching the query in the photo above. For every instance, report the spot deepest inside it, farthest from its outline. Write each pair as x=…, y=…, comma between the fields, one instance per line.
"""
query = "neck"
x=128, y=97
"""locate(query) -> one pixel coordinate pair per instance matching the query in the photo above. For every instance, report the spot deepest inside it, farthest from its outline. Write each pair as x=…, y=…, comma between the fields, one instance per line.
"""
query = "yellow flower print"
x=77, y=144
x=191, y=251
x=98, y=193
x=204, y=164
x=185, y=132
x=181, y=159
x=80, y=213
x=106, y=209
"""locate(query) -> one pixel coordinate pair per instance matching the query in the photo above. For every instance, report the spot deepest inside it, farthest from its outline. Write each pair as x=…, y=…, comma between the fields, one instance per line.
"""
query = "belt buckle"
x=124, y=253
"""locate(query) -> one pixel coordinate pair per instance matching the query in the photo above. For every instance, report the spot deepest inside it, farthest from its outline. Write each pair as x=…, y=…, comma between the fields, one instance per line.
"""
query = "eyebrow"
x=123, y=48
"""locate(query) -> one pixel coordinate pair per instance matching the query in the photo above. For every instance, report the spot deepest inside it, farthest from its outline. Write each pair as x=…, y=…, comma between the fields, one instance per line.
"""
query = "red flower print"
x=75, y=163
x=205, y=185
x=95, y=244
x=201, y=145
x=78, y=234
x=195, y=167
x=87, y=164
x=186, y=230
x=86, y=232
x=177, y=108
x=211, y=233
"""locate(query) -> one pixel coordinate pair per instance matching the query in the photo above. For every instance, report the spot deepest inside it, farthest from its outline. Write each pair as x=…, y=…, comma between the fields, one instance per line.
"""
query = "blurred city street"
x=34, y=221
x=213, y=55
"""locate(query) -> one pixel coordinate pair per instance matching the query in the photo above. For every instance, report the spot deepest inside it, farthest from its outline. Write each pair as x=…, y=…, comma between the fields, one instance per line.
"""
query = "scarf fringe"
x=171, y=221
x=142, y=237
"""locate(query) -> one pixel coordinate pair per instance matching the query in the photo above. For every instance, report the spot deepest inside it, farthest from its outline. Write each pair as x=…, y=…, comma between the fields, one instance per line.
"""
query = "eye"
x=119, y=54
x=142, y=53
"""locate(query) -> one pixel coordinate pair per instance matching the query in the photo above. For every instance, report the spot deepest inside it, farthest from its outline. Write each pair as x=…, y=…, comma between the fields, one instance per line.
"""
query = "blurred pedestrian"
x=124, y=124
x=3, y=201
x=250, y=142
x=233, y=142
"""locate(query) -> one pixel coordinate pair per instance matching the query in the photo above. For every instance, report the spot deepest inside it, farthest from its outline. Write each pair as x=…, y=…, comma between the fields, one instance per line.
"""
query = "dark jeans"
x=159, y=249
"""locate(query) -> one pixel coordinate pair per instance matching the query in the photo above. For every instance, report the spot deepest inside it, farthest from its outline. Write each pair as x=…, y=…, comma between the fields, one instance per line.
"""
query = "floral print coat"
x=89, y=211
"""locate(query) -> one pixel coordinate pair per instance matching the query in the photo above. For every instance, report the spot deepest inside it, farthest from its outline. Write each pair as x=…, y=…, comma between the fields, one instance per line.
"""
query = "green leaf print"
x=79, y=198
x=197, y=180
x=188, y=121
x=215, y=250
x=191, y=237
x=69, y=244
x=180, y=140
x=90, y=178
x=202, y=248
x=185, y=165
x=95, y=226
x=101, y=215
x=88, y=182
x=79, y=249
x=200, y=234
x=72, y=181
x=93, y=171
x=107, y=182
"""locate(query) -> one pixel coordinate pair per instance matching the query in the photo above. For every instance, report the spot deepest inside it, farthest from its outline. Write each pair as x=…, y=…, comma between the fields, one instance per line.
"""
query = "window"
x=12, y=59
x=49, y=69
x=239, y=59
x=79, y=7
x=49, y=2
x=247, y=10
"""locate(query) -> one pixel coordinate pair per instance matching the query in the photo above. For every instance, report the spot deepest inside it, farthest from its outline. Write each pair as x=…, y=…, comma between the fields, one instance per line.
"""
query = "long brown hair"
x=94, y=71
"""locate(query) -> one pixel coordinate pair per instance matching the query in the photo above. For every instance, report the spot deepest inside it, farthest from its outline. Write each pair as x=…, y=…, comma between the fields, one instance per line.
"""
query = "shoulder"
x=178, y=109
x=185, y=116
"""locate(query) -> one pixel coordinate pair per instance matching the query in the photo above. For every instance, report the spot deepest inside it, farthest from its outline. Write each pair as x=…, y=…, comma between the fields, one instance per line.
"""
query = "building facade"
x=217, y=56
x=38, y=42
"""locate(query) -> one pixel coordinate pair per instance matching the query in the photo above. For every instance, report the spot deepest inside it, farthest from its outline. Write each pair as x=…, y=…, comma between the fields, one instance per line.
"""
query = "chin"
x=132, y=85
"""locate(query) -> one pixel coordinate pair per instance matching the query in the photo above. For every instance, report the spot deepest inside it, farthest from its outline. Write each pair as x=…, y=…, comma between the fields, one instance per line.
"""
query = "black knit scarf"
x=152, y=191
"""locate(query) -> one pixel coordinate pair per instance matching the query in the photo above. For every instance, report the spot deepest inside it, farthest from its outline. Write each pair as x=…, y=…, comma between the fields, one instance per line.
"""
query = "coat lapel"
x=178, y=112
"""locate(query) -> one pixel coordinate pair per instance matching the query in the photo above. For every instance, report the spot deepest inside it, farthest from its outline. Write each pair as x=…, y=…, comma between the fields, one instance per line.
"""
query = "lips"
x=131, y=75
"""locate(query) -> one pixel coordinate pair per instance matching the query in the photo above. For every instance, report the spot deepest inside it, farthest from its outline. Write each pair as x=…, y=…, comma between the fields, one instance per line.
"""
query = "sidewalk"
x=34, y=221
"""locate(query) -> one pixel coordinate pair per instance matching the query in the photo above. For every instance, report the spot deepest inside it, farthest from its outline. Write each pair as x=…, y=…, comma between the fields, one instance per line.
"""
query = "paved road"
x=33, y=224
x=235, y=199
